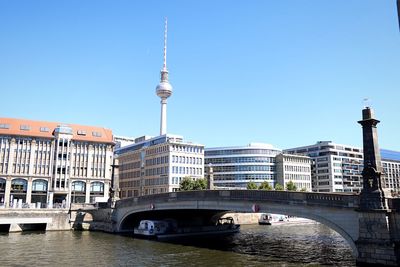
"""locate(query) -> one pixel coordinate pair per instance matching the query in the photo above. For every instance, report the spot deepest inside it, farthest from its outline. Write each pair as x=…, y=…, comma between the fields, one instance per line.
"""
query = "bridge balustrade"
x=308, y=198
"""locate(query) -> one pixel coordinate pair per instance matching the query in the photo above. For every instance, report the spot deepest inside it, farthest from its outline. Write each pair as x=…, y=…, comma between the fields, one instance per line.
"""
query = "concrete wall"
x=54, y=219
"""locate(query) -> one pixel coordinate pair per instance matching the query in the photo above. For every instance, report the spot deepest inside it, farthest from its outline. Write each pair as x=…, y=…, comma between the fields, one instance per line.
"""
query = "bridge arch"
x=335, y=211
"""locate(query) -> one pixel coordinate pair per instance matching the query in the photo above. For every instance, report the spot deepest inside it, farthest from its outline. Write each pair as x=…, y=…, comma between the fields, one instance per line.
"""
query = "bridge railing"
x=308, y=198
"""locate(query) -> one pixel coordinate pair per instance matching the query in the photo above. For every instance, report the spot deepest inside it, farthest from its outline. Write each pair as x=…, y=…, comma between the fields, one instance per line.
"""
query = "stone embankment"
x=17, y=220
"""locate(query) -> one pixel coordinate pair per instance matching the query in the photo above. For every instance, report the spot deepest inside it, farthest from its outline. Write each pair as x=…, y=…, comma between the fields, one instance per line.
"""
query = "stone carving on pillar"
x=372, y=195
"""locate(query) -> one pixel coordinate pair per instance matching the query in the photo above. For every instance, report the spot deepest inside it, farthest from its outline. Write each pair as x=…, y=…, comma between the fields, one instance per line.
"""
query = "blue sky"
x=288, y=73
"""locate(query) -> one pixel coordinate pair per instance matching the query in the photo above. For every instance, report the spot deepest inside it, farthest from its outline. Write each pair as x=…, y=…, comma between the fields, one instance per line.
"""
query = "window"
x=83, y=132
x=4, y=126
x=39, y=186
x=79, y=186
x=44, y=129
x=96, y=188
x=24, y=127
x=2, y=185
x=96, y=134
x=19, y=185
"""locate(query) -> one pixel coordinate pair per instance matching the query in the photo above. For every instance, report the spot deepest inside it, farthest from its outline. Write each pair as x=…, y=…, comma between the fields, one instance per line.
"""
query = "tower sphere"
x=164, y=89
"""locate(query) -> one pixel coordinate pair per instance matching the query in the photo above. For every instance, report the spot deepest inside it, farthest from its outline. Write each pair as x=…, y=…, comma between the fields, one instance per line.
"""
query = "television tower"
x=164, y=88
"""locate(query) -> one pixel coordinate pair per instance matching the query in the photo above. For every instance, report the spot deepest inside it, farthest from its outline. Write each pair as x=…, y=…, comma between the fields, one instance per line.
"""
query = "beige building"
x=294, y=168
x=53, y=163
x=157, y=165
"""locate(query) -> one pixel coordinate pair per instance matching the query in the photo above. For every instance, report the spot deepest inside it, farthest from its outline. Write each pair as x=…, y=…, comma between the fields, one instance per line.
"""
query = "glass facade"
x=235, y=167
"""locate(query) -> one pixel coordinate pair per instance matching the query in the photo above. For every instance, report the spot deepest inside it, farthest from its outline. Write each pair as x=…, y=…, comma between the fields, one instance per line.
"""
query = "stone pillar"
x=106, y=188
x=375, y=245
x=29, y=191
x=87, y=195
x=11, y=156
x=7, y=192
x=372, y=194
x=31, y=157
x=210, y=180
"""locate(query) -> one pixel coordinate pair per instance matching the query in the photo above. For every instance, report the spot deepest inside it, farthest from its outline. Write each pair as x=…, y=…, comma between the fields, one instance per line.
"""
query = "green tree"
x=265, y=186
x=186, y=184
x=303, y=189
x=290, y=186
x=279, y=187
x=251, y=185
x=200, y=184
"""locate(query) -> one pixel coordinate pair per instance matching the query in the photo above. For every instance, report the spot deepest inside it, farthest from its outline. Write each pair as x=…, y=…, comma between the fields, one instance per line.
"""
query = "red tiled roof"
x=34, y=129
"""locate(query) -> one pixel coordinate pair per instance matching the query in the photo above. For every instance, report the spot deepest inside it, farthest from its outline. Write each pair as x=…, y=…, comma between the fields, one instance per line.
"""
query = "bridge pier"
x=375, y=244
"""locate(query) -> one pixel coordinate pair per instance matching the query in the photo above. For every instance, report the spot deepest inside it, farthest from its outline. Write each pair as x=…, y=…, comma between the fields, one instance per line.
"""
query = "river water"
x=276, y=245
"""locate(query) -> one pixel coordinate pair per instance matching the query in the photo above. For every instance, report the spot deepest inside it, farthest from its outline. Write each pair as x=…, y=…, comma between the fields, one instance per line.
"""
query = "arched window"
x=18, y=191
x=79, y=186
x=39, y=191
x=2, y=189
x=2, y=185
x=78, y=192
x=39, y=186
x=96, y=188
x=19, y=185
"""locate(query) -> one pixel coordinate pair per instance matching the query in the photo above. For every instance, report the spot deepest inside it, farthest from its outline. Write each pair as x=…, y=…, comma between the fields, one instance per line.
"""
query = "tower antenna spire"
x=165, y=43
x=164, y=88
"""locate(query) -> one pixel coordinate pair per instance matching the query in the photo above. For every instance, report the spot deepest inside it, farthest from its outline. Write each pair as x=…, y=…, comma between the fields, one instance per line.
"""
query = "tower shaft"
x=163, y=119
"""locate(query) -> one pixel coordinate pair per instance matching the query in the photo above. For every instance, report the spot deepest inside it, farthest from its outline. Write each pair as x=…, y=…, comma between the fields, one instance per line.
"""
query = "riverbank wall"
x=17, y=220
x=92, y=220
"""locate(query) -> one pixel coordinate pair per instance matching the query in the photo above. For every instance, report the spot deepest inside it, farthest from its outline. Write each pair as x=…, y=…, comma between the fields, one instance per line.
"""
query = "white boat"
x=151, y=228
x=167, y=229
x=270, y=218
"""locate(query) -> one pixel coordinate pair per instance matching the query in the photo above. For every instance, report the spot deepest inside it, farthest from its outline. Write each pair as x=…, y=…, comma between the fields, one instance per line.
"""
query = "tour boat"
x=167, y=229
x=269, y=219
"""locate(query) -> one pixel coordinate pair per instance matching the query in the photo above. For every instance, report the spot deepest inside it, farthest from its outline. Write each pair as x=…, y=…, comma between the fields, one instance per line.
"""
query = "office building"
x=338, y=168
x=235, y=167
x=391, y=170
x=294, y=168
x=158, y=165
x=53, y=163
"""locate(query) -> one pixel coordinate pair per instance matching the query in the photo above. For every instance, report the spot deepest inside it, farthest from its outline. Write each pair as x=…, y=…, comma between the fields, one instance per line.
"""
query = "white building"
x=158, y=165
x=294, y=168
x=53, y=163
x=121, y=141
x=338, y=168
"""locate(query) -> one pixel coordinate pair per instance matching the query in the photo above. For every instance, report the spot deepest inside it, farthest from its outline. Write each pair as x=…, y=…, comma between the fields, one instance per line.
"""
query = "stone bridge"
x=368, y=233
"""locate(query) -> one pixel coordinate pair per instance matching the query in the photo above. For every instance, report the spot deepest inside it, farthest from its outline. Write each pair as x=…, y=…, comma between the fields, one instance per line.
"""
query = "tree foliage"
x=290, y=186
x=251, y=185
x=265, y=186
x=279, y=187
x=200, y=184
x=303, y=189
x=188, y=183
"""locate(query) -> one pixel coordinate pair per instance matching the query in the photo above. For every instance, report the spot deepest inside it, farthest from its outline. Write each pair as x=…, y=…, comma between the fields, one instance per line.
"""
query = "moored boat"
x=270, y=218
x=168, y=230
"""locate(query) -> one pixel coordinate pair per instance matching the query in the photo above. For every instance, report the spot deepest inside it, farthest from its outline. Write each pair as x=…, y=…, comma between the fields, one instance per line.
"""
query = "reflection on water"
x=281, y=245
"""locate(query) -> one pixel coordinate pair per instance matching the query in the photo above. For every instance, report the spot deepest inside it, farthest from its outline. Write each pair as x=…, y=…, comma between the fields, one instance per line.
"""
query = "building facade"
x=391, y=170
x=294, y=168
x=121, y=141
x=338, y=168
x=235, y=167
x=53, y=163
x=158, y=164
